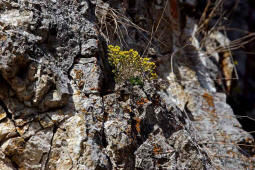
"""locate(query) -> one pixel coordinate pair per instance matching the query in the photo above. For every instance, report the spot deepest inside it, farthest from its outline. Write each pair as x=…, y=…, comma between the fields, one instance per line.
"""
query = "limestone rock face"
x=61, y=109
x=87, y=75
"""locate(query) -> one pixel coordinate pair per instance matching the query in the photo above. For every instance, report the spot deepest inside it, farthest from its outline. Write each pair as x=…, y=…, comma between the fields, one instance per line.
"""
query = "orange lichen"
x=80, y=84
x=95, y=88
x=142, y=101
x=84, y=111
x=209, y=99
x=3, y=38
x=100, y=118
x=157, y=149
x=211, y=106
x=137, y=125
x=78, y=92
x=127, y=109
x=2, y=115
x=78, y=74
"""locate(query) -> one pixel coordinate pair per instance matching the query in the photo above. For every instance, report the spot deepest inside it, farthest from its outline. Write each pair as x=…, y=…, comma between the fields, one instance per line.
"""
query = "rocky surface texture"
x=60, y=108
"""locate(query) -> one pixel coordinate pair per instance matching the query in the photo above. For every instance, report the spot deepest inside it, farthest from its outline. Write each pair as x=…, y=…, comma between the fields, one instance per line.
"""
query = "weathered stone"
x=87, y=75
x=7, y=129
x=32, y=129
x=18, y=109
x=53, y=100
x=93, y=157
x=13, y=146
x=23, y=121
x=72, y=138
x=153, y=151
x=58, y=116
x=23, y=129
x=131, y=118
x=45, y=121
x=16, y=18
x=2, y=113
x=43, y=86
x=35, y=152
x=61, y=109
x=5, y=163
x=89, y=47
x=62, y=139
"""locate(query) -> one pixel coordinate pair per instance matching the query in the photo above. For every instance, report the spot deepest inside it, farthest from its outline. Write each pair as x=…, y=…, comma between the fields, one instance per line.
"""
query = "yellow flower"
x=117, y=48
x=129, y=64
x=110, y=46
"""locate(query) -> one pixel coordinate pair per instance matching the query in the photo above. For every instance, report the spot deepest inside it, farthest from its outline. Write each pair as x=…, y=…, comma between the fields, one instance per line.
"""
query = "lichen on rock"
x=60, y=107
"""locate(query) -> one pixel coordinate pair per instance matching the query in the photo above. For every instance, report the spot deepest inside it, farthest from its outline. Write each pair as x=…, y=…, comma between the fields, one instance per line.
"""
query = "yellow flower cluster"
x=129, y=65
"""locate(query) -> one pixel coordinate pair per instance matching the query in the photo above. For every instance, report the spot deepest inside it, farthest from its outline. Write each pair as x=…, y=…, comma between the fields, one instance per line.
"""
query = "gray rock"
x=60, y=109
x=87, y=75
x=8, y=129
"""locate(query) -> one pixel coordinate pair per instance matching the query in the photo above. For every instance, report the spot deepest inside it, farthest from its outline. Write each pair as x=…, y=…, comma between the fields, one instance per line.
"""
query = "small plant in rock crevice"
x=130, y=67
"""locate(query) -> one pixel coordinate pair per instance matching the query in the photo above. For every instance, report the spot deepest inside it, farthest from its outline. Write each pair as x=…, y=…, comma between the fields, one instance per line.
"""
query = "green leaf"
x=136, y=81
